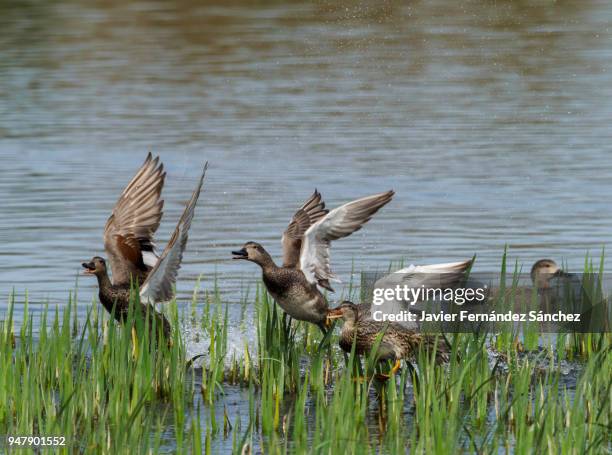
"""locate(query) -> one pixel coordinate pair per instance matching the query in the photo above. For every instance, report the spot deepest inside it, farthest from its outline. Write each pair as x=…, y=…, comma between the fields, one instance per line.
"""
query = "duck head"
x=97, y=266
x=254, y=252
x=542, y=271
x=346, y=310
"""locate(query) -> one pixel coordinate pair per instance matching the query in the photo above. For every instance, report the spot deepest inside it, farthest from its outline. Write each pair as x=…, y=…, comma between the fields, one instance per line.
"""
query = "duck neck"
x=349, y=326
x=104, y=281
x=538, y=282
x=267, y=263
x=347, y=333
x=109, y=298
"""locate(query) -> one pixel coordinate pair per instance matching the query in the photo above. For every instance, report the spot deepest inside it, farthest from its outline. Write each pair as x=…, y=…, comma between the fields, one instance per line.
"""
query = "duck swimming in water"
x=549, y=282
x=306, y=261
x=543, y=271
x=128, y=242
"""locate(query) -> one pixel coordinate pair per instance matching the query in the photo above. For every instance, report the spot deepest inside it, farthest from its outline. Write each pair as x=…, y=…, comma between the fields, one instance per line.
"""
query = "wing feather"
x=159, y=285
x=442, y=276
x=308, y=214
x=446, y=275
x=340, y=222
x=132, y=224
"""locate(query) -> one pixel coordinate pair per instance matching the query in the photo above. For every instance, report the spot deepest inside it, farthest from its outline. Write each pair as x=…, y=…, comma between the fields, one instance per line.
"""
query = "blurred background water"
x=490, y=119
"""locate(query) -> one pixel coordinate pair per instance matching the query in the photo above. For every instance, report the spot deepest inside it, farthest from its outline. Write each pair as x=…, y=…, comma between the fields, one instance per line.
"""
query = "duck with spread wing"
x=129, y=245
x=306, y=261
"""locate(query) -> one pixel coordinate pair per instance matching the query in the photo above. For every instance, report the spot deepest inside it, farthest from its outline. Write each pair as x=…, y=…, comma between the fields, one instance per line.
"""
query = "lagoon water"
x=491, y=120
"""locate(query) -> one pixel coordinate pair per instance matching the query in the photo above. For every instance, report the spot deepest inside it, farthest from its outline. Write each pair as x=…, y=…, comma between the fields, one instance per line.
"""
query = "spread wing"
x=448, y=275
x=340, y=222
x=159, y=285
x=128, y=234
x=435, y=276
x=308, y=214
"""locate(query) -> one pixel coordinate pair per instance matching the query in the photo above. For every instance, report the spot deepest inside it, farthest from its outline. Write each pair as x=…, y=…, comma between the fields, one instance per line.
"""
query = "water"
x=489, y=119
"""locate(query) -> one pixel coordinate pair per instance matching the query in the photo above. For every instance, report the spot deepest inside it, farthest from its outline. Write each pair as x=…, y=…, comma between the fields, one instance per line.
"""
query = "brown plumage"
x=543, y=271
x=159, y=285
x=397, y=342
x=306, y=242
x=129, y=231
x=288, y=286
x=115, y=298
x=544, y=274
x=128, y=240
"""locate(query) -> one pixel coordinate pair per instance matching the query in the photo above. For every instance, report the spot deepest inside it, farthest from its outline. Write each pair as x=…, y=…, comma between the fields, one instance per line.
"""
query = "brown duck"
x=543, y=271
x=397, y=342
x=548, y=283
x=306, y=261
x=128, y=241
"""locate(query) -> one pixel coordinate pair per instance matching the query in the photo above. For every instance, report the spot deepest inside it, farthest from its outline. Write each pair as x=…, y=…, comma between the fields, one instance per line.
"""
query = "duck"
x=397, y=343
x=543, y=272
x=130, y=247
x=549, y=282
x=297, y=285
x=550, y=289
x=559, y=290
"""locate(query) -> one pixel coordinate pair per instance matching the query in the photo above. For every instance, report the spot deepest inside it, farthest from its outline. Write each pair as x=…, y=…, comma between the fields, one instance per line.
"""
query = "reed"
x=118, y=389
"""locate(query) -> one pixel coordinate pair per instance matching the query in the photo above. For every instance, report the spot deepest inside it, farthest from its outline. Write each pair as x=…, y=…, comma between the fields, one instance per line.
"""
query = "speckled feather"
x=396, y=343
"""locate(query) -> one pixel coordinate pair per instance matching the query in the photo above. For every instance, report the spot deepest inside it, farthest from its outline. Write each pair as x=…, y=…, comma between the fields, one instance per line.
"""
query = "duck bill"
x=89, y=267
x=334, y=314
x=240, y=254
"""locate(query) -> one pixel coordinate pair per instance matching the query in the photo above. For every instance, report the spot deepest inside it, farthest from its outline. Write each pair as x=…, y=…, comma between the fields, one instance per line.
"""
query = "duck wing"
x=443, y=276
x=434, y=276
x=340, y=222
x=159, y=285
x=309, y=213
x=128, y=234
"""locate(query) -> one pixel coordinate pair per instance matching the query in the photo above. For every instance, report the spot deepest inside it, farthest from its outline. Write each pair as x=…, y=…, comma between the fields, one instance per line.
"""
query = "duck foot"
x=395, y=369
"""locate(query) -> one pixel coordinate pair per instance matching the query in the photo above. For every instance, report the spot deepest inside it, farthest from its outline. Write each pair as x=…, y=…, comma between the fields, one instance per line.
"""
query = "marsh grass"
x=109, y=390
x=90, y=383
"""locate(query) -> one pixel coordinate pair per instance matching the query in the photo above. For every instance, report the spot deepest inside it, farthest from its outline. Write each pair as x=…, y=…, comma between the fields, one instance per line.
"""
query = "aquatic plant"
x=116, y=389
